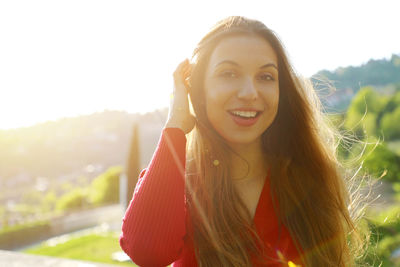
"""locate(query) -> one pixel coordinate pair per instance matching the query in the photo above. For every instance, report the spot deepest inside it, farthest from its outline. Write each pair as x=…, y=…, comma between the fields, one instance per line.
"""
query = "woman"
x=259, y=183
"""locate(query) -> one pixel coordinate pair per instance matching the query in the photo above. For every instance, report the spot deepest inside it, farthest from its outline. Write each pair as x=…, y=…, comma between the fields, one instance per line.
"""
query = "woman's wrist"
x=186, y=124
x=174, y=124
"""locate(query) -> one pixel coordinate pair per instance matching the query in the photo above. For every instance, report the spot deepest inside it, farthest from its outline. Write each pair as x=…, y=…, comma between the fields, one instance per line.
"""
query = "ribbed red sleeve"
x=154, y=224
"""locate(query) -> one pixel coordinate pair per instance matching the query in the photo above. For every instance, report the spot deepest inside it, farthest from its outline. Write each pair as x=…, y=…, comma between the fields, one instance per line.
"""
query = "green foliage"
x=367, y=99
x=105, y=188
x=387, y=245
x=381, y=160
x=73, y=200
x=371, y=117
x=385, y=236
x=49, y=202
x=363, y=112
x=391, y=124
x=392, y=102
x=389, y=219
x=396, y=189
x=370, y=128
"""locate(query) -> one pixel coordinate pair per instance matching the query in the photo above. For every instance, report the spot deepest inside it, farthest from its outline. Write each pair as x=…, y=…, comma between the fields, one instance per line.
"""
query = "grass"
x=96, y=247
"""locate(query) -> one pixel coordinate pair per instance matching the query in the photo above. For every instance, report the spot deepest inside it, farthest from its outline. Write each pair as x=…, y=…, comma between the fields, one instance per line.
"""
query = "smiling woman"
x=242, y=88
x=259, y=183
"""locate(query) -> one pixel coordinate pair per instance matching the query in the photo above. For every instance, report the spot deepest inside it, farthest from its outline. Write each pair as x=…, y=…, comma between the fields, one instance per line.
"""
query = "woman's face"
x=241, y=88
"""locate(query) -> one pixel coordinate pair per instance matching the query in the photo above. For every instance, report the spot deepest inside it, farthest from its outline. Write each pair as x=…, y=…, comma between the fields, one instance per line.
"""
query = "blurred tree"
x=385, y=235
x=390, y=124
x=370, y=128
x=73, y=200
x=396, y=189
x=366, y=112
x=49, y=202
x=382, y=160
x=105, y=188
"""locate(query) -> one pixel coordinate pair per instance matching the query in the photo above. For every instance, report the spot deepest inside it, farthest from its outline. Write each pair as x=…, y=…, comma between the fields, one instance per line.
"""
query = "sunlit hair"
x=313, y=199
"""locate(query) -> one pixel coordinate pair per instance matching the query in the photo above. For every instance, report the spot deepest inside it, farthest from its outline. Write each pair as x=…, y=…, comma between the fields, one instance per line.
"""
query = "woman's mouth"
x=244, y=117
x=244, y=114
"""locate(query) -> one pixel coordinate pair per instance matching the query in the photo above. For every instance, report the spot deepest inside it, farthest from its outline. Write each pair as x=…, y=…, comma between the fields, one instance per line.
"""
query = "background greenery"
x=370, y=125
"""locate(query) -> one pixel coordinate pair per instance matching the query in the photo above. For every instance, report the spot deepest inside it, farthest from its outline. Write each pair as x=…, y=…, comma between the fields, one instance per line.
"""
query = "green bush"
x=73, y=200
x=387, y=245
x=390, y=125
x=381, y=160
x=49, y=202
x=105, y=188
x=385, y=236
x=388, y=219
x=396, y=189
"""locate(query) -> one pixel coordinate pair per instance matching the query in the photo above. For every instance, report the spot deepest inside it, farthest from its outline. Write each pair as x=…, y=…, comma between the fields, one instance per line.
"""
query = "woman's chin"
x=244, y=141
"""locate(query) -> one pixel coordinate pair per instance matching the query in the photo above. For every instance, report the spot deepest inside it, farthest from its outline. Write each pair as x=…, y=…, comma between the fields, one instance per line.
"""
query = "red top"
x=154, y=229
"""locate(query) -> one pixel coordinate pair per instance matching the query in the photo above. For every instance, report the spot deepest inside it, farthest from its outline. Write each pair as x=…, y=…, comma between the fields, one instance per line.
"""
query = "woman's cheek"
x=220, y=93
x=271, y=93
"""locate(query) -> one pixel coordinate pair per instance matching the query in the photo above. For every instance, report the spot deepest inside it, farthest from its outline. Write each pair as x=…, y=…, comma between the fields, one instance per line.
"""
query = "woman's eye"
x=266, y=77
x=228, y=74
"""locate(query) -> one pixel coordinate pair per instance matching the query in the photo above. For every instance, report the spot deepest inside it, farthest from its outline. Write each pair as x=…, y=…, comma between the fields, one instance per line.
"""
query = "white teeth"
x=246, y=114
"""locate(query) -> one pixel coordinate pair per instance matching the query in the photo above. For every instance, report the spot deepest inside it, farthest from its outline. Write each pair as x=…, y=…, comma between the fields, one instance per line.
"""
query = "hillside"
x=46, y=155
x=383, y=74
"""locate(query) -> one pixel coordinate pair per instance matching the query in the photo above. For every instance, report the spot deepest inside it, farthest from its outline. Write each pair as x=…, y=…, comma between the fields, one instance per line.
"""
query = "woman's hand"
x=179, y=115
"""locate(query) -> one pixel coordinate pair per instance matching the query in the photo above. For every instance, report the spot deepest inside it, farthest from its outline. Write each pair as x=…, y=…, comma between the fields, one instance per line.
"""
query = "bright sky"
x=71, y=57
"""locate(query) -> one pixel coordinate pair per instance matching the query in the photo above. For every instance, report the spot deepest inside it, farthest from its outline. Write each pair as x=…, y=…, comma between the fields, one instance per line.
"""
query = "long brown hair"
x=305, y=178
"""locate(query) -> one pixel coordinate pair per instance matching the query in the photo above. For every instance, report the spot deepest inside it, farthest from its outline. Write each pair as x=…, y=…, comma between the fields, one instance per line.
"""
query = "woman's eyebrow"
x=236, y=64
x=226, y=62
x=269, y=65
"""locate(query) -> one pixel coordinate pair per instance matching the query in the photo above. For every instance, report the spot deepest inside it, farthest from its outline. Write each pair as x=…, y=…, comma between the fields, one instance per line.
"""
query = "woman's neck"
x=249, y=163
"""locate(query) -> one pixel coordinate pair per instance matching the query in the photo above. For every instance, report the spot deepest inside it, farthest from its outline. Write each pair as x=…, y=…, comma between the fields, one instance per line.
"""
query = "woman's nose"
x=248, y=90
